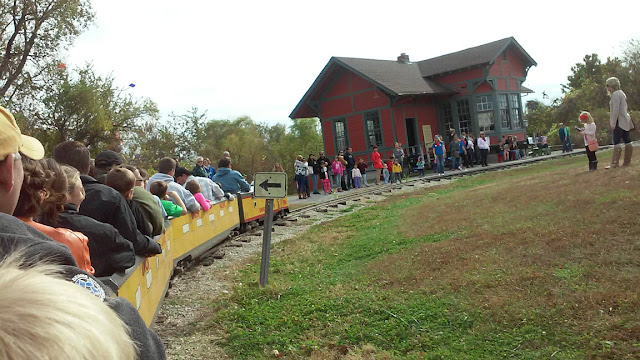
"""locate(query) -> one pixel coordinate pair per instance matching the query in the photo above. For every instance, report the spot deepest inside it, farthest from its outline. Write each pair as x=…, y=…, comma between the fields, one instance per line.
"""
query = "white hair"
x=43, y=316
x=614, y=83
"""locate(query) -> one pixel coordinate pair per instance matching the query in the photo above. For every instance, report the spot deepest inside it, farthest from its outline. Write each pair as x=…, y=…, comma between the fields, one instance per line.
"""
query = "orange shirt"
x=76, y=242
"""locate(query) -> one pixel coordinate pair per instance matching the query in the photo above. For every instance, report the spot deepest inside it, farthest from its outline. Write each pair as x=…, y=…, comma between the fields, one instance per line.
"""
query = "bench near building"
x=362, y=102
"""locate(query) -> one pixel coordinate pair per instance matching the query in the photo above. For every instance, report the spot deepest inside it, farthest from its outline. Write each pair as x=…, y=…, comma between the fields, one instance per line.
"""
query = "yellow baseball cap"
x=12, y=140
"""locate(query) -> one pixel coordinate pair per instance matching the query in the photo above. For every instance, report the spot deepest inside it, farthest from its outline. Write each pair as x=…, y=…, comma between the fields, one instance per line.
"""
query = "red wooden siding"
x=400, y=114
x=370, y=100
x=513, y=84
x=356, y=133
x=501, y=84
x=340, y=87
x=460, y=76
x=495, y=69
x=335, y=107
x=483, y=88
x=358, y=83
x=426, y=115
x=327, y=134
x=387, y=127
x=517, y=69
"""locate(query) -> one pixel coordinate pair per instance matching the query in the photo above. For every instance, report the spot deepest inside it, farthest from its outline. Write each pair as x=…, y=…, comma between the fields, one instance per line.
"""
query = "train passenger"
x=150, y=205
x=145, y=176
x=59, y=327
x=102, y=203
x=175, y=208
x=124, y=182
x=210, y=190
x=110, y=252
x=230, y=180
x=35, y=247
x=199, y=170
x=209, y=168
x=32, y=194
x=195, y=189
x=166, y=171
x=104, y=162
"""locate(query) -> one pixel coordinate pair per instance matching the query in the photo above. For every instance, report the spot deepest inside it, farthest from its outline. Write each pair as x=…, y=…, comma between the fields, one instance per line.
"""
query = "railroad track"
x=357, y=195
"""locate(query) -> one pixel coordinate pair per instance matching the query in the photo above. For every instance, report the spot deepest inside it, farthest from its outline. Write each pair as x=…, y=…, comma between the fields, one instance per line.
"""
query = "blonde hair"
x=590, y=118
x=73, y=178
x=614, y=83
x=43, y=316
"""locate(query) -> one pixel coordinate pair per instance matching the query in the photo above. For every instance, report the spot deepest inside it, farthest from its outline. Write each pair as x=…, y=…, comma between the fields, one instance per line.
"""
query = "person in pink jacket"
x=194, y=187
x=338, y=169
x=589, y=132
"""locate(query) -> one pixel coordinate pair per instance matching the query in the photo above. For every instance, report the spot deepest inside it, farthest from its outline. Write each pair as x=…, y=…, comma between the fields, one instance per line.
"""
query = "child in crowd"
x=123, y=181
x=362, y=166
x=420, y=166
x=397, y=171
x=337, y=171
x=357, y=177
x=385, y=173
x=501, y=152
x=325, y=178
x=159, y=189
x=194, y=187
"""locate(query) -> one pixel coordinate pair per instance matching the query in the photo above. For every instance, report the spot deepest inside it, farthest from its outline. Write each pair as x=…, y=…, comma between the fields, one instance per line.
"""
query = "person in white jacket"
x=483, y=147
x=589, y=132
x=620, y=123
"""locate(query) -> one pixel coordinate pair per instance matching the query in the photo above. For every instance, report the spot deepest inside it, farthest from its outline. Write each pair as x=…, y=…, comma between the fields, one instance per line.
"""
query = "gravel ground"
x=182, y=320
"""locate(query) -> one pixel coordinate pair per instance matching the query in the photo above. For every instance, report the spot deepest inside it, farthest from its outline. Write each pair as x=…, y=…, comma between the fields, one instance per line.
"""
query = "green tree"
x=32, y=32
x=84, y=107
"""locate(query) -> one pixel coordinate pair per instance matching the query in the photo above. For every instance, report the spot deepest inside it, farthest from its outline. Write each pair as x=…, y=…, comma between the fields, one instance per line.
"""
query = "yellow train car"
x=145, y=284
x=253, y=209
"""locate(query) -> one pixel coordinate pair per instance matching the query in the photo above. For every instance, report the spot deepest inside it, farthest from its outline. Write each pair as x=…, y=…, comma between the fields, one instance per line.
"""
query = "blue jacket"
x=231, y=180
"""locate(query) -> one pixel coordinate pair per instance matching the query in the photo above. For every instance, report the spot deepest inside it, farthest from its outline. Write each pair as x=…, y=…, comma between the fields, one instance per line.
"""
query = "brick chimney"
x=404, y=58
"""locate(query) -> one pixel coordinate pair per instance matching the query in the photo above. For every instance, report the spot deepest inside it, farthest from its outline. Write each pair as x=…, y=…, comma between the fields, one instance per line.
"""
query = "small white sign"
x=270, y=185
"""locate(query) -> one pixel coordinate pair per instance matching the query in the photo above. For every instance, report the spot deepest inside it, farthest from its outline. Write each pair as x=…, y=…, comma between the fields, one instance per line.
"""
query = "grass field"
x=536, y=262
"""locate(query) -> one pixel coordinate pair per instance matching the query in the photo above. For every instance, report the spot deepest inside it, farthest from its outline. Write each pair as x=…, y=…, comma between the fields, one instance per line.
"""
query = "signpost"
x=270, y=186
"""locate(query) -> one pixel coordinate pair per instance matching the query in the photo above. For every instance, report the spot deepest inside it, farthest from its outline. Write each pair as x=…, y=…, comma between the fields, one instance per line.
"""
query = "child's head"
x=384, y=166
x=122, y=180
x=419, y=158
x=395, y=161
x=299, y=157
x=361, y=160
x=193, y=186
x=159, y=189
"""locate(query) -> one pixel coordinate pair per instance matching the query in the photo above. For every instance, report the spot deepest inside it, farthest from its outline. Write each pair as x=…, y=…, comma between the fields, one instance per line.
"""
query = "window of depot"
x=373, y=128
x=341, y=134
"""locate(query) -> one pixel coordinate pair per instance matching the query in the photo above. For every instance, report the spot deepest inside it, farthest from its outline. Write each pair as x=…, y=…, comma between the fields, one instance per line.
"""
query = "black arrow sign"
x=266, y=185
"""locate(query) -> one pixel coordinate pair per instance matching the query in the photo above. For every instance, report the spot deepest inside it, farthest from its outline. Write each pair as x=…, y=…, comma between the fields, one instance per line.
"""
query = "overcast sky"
x=258, y=58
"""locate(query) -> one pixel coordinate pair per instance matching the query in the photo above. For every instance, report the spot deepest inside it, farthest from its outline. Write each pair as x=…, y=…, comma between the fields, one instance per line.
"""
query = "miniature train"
x=185, y=239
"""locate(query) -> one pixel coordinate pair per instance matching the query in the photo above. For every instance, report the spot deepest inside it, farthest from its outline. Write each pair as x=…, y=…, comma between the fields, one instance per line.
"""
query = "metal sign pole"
x=266, y=242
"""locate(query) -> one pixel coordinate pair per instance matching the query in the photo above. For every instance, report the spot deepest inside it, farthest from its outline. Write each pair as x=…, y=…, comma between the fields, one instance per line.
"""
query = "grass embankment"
x=527, y=263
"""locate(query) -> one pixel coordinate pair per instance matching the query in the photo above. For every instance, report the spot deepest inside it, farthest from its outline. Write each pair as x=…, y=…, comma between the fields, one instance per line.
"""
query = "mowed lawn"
x=529, y=263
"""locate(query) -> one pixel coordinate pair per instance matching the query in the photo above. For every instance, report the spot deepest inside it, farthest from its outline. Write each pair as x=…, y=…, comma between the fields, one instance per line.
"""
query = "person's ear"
x=6, y=173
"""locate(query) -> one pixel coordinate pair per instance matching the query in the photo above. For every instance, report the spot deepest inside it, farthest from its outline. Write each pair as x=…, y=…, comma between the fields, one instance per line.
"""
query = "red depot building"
x=362, y=102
